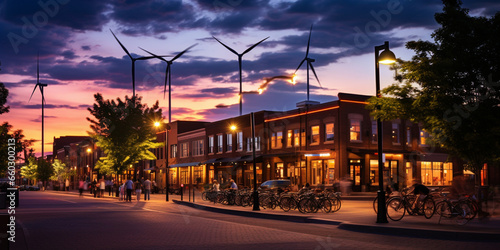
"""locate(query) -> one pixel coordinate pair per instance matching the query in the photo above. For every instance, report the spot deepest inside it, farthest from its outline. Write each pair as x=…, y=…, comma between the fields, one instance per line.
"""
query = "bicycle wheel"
x=204, y=195
x=462, y=213
x=326, y=205
x=302, y=205
x=395, y=209
x=429, y=207
x=336, y=204
x=285, y=204
x=375, y=204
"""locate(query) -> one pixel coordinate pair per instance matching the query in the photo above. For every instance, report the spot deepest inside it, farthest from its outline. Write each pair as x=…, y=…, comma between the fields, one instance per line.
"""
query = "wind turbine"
x=133, y=60
x=239, y=62
x=168, y=77
x=40, y=86
x=309, y=64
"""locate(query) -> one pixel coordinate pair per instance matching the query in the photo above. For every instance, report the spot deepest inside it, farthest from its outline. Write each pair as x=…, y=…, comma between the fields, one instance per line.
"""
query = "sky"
x=79, y=56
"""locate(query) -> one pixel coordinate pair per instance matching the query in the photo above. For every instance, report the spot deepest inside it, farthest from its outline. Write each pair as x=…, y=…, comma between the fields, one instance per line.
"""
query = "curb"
x=363, y=228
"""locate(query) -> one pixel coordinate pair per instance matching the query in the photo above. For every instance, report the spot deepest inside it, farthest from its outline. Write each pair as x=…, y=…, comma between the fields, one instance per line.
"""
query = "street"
x=59, y=220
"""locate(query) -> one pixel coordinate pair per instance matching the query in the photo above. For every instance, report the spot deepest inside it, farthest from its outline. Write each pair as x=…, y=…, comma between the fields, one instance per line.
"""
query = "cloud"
x=39, y=119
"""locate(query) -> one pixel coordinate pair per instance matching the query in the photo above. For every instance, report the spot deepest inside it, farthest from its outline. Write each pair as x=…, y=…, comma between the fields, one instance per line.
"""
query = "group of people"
x=128, y=186
x=96, y=187
x=216, y=185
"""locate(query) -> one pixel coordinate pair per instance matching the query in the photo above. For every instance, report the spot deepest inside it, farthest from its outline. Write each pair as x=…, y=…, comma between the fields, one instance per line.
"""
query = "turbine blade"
x=153, y=55
x=317, y=79
x=300, y=65
x=184, y=51
x=227, y=47
x=123, y=47
x=41, y=91
x=253, y=46
x=167, y=71
x=309, y=41
x=33, y=92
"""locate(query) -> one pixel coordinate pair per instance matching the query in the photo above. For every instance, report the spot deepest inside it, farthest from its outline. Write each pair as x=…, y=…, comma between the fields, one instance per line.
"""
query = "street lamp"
x=89, y=151
x=167, y=128
x=386, y=57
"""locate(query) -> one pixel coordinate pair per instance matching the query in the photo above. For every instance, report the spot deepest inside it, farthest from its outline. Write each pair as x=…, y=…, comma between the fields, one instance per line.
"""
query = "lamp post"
x=386, y=57
x=256, y=205
x=91, y=169
x=167, y=128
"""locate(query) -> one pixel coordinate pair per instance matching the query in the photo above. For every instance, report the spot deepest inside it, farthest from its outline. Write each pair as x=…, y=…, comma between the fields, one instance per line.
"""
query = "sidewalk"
x=356, y=214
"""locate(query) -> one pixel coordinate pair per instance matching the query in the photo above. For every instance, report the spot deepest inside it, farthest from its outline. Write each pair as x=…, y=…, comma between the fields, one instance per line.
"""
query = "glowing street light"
x=386, y=57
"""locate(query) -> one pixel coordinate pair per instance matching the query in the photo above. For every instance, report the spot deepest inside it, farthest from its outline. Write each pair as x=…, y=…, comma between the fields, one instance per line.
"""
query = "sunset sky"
x=79, y=56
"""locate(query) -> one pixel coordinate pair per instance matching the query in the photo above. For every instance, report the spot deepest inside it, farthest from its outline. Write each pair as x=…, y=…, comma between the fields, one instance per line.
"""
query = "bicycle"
x=459, y=210
x=398, y=206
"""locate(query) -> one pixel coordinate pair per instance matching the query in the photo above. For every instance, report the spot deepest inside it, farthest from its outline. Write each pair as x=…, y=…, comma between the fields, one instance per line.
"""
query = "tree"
x=44, y=170
x=19, y=145
x=125, y=132
x=4, y=92
x=451, y=86
x=29, y=171
x=60, y=171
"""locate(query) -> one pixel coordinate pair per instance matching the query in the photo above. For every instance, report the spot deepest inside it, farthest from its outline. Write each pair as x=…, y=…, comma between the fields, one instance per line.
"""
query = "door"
x=355, y=174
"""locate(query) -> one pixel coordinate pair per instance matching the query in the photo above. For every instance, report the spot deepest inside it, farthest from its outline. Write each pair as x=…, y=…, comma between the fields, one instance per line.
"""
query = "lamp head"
x=157, y=124
x=89, y=150
x=387, y=57
x=233, y=127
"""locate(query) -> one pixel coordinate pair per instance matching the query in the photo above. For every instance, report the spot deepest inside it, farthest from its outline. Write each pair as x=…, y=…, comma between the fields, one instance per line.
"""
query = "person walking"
x=138, y=187
x=102, y=186
x=81, y=184
x=129, y=185
x=147, y=189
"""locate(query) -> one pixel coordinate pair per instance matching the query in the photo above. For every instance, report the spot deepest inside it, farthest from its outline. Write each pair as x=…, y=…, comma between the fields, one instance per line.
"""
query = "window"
x=289, y=138
x=303, y=138
x=220, y=143
x=423, y=137
x=229, y=142
x=249, y=144
x=315, y=135
x=408, y=136
x=184, y=149
x=198, y=148
x=296, y=138
x=374, y=132
x=329, y=134
x=374, y=173
x=239, y=141
x=277, y=140
x=395, y=133
x=173, y=151
x=436, y=173
x=355, y=130
x=211, y=144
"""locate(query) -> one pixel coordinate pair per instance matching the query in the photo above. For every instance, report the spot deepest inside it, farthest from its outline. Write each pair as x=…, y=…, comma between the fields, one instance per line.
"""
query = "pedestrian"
x=147, y=189
x=102, y=186
x=216, y=186
x=122, y=192
x=81, y=184
x=94, y=188
x=138, y=187
x=129, y=185
x=67, y=184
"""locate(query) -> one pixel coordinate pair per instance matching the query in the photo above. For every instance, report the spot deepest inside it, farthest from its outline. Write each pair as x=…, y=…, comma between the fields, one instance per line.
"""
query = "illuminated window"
x=289, y=138
x=184, y=149
x=424, y=136
x=329, y=134
x=408, y=136
x=277, y=140
x=355, y=130
x=315, y=135
x=296, y=138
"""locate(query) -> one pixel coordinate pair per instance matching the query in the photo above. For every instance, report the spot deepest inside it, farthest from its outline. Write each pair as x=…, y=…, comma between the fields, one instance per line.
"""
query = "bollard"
x=193, y=194
x=182, y=192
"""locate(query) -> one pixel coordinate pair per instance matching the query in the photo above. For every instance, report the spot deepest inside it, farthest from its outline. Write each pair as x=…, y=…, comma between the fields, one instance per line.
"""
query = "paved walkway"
x=356, y=214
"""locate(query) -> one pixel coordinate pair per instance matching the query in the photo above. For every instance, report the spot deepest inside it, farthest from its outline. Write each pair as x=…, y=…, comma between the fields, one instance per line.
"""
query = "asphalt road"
x=50, y=220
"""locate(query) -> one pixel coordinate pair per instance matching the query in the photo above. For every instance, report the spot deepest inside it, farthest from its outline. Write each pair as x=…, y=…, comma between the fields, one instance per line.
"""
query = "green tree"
x=60, y=171
x=29, y=171
x=20, y=144
x=44, y=171
x=451, y=86
x=124, y=130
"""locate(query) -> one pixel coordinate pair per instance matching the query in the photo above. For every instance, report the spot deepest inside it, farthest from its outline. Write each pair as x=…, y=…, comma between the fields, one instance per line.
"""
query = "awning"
x=222, y=160
x=188, y=164
x=149, y=169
